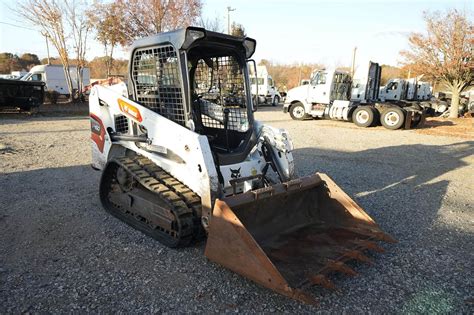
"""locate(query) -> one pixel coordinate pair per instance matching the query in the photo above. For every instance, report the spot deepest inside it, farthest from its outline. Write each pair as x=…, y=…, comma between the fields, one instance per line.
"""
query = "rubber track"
x=185, y=204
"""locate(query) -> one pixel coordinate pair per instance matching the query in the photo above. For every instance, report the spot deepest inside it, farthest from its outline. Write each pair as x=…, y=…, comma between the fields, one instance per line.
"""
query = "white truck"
x=267, y=92
x=331, y=95
x=405, y=89
x=55, y=79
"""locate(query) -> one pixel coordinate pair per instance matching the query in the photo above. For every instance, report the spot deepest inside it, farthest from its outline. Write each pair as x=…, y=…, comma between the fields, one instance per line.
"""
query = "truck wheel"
x=363, y=116
x=393, y=118
x=297, y=112
x=276, y=100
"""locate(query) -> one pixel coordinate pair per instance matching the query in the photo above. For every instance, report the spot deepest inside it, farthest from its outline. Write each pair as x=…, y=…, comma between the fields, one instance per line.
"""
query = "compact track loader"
x=182, y=158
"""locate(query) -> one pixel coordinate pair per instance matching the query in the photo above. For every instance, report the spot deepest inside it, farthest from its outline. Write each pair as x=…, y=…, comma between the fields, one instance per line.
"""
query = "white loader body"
x=178, y=150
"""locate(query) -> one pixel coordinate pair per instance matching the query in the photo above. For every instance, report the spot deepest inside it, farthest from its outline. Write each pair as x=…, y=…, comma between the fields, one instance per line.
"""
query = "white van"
x=53, y=76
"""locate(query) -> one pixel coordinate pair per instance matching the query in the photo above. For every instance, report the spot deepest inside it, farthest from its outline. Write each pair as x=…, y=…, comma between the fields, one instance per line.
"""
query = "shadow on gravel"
x=400, y=188
x=394, y=181
x=60, y=251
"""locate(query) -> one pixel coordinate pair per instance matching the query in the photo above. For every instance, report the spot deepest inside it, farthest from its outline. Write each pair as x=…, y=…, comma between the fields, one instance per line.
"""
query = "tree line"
x=443, y=53
x=69, y=25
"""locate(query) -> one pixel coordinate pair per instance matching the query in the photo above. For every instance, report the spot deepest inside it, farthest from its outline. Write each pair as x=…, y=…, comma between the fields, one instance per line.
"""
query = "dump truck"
x=183, y=158
x=330, y=95
x=17, y=94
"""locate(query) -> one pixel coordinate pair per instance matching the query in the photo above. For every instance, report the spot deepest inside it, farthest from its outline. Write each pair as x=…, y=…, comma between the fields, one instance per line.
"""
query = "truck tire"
x=393, y=118
x=276, y=100
x=364, y=116
x=297, y=112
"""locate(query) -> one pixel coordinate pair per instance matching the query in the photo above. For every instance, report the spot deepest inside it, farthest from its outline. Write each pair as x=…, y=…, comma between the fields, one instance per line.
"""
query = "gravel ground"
x=60, y=252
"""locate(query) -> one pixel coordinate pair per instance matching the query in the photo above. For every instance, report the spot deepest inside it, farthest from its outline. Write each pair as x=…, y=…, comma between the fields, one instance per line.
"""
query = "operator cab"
x=199, y=79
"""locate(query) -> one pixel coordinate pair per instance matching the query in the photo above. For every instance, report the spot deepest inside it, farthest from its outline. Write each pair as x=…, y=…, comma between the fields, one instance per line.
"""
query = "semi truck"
x=405, y=89
x=263, y=87
x=54, y=78
x=331, y=95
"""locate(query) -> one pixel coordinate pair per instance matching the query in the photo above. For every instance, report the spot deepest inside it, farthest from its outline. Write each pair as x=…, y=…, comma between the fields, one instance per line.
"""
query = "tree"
x=98, y=67
x=52, y=61
x=444, y=53
x=390, y=72
x=28, y=61
x=80, y=27
x=48, y=17
x=238, y=30
x=9, y=62
x=287, y=76
x=214, y=25
x=148, y=17
x=110, y=31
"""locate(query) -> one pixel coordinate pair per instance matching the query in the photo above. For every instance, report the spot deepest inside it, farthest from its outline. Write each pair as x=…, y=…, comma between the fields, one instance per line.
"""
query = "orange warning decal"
x=130, y=110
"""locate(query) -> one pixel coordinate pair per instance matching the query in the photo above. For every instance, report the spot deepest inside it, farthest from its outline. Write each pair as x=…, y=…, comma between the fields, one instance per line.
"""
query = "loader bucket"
x=291, y=236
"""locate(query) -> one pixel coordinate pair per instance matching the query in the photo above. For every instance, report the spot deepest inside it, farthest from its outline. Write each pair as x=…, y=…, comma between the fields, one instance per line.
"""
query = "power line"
x=26, y=28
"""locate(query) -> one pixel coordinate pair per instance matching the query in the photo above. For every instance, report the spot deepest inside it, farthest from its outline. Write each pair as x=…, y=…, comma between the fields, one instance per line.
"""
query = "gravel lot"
x=60, y=251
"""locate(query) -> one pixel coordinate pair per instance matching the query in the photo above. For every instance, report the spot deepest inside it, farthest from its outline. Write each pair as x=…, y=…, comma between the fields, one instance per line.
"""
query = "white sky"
x=288, y=31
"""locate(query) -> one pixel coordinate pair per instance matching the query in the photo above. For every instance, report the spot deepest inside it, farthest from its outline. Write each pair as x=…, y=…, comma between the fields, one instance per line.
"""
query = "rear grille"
x=121, y=124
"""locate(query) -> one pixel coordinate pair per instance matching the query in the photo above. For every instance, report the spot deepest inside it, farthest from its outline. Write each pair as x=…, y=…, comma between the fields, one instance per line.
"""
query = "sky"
x=288, y=31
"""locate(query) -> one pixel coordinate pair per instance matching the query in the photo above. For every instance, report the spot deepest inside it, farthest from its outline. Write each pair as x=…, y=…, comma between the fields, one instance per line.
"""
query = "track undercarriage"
x=140, y=193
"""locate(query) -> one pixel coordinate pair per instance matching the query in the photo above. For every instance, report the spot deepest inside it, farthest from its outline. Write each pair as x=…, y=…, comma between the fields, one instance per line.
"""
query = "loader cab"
x=199, y=79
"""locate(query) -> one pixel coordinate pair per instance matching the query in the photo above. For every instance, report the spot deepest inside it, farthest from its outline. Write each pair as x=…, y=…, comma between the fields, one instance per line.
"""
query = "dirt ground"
x=61, y=252
x=449, y=127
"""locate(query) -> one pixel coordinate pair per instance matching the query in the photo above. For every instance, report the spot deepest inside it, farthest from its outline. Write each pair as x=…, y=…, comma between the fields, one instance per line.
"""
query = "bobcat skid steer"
x=182, y=158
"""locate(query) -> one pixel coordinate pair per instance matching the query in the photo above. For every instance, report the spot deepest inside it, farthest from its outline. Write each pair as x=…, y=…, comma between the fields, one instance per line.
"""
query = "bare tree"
x=110, y=31
x=47, y=16
x=444, y=53
x=214, y=25
x=237, y=30
x=148, y=17
x=80, y=26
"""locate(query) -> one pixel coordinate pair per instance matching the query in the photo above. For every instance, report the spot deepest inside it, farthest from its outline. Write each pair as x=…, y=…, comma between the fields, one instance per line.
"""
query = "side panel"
x=181, y=152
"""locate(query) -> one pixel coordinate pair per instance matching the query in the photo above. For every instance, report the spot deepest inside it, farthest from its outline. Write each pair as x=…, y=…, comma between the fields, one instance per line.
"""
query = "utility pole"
x=353, y=62
x=47, y=45
x=229, y=9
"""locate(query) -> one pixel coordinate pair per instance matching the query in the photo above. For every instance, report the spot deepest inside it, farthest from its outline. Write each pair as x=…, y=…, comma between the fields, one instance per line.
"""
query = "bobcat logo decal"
x=235, y=173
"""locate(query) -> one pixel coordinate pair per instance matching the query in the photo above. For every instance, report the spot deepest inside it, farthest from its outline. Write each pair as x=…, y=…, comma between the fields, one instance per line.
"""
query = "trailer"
x=330, y=95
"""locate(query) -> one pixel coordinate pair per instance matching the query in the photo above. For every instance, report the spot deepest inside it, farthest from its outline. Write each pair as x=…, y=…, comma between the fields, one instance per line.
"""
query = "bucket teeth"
x=370, y=232
x=323, y=281
x=340, y=267
x=357, y=255
x=369, y=245
x=386, y=238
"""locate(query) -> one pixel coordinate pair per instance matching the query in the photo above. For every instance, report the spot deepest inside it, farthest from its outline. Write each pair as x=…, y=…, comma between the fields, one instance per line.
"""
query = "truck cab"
x=327, y=88
x=263, y=85
x=54, y=78
x=395, y=90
